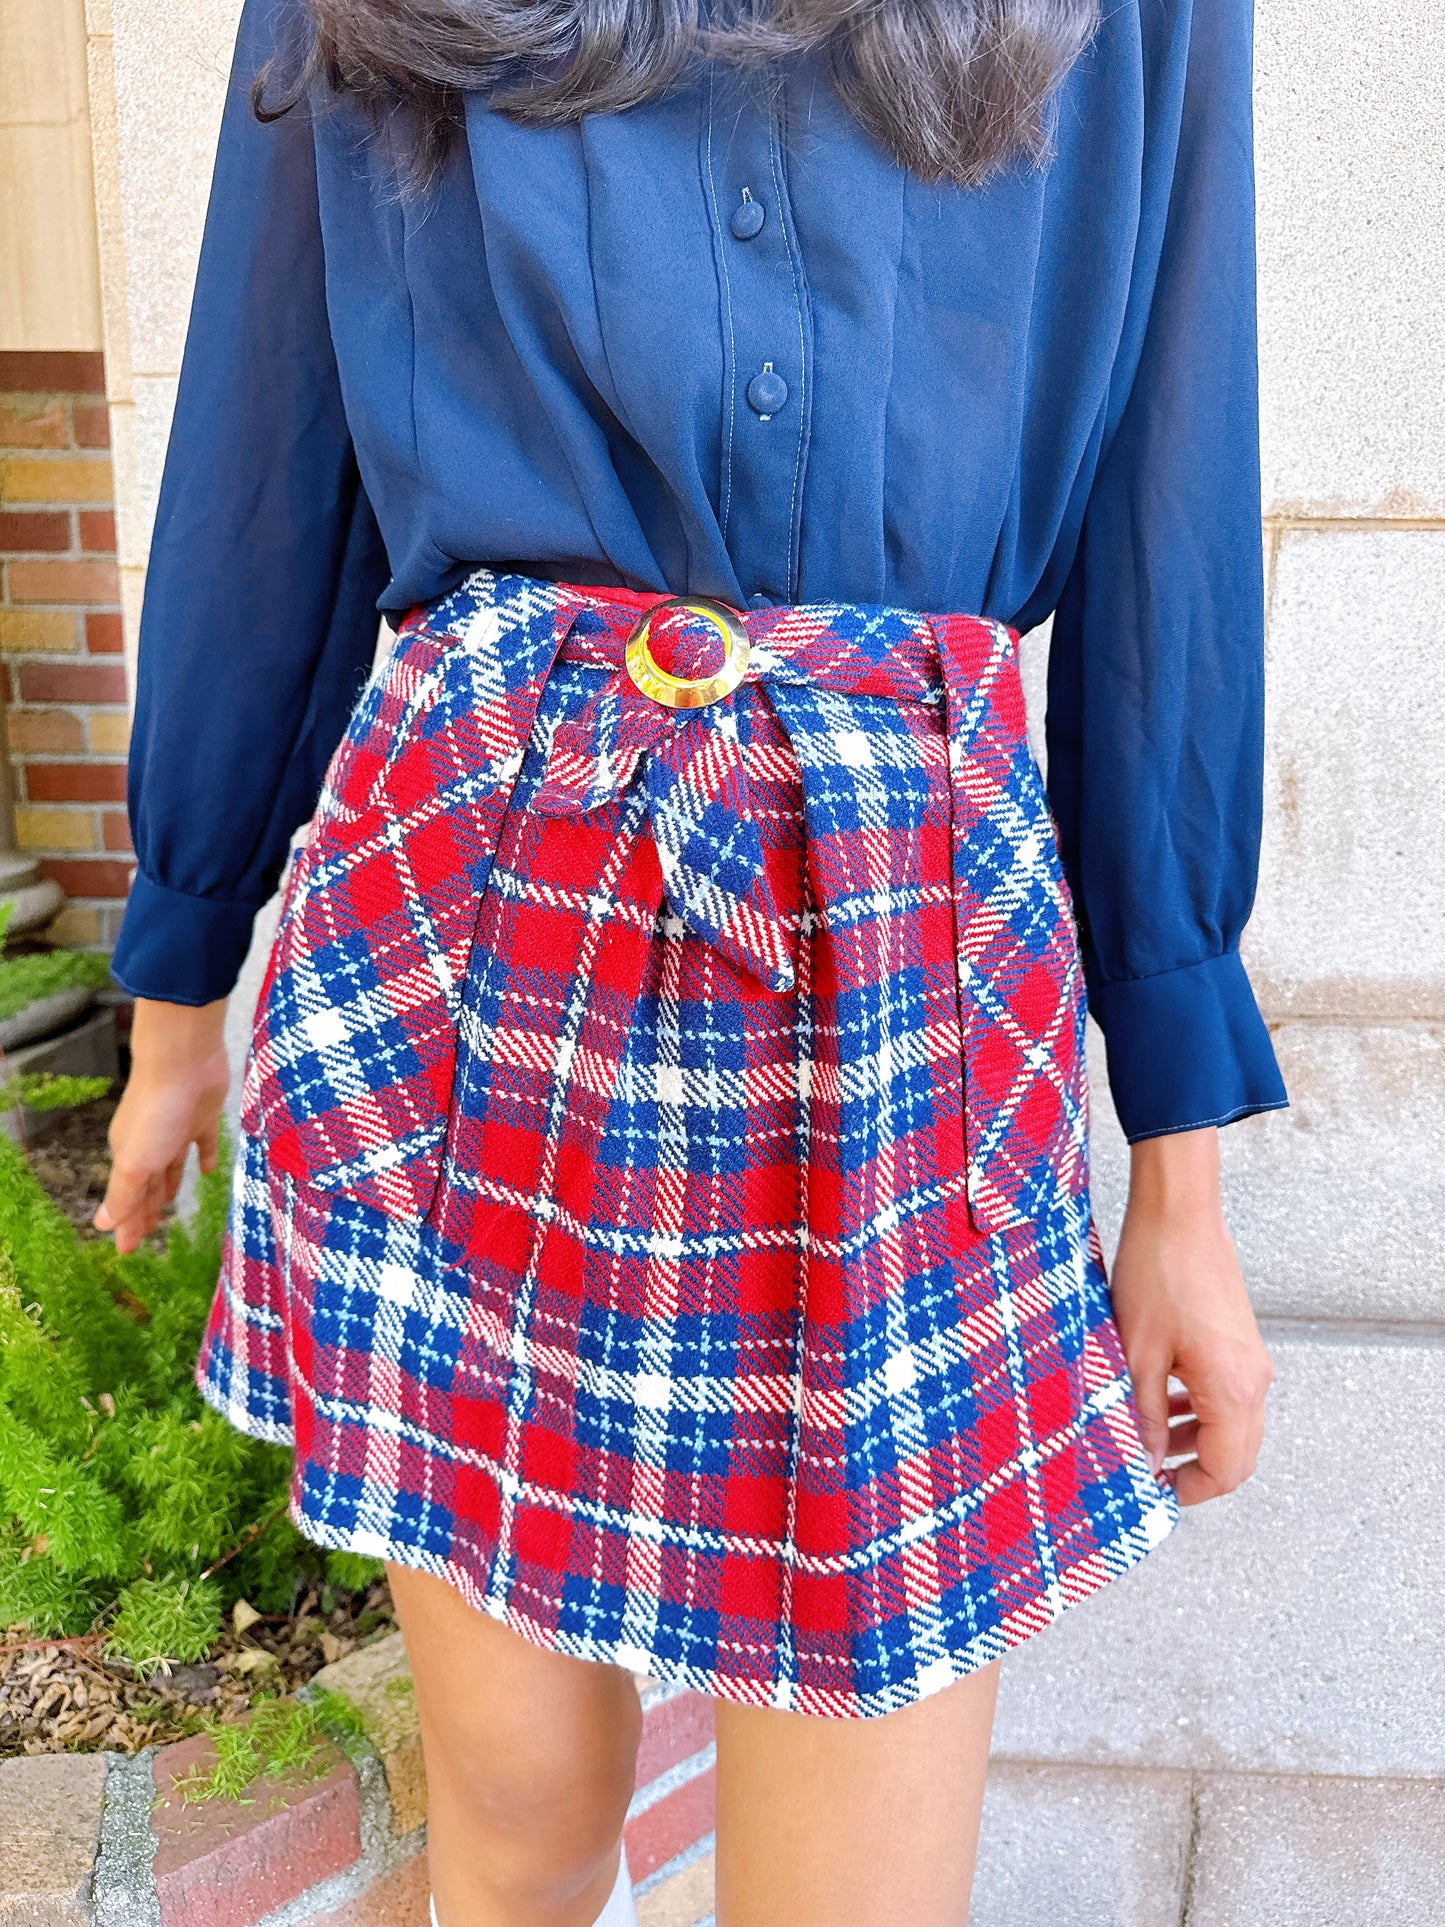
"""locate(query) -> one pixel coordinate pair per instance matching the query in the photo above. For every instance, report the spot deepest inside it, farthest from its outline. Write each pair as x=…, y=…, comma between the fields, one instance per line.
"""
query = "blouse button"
x=767, y=392
x=747, y=218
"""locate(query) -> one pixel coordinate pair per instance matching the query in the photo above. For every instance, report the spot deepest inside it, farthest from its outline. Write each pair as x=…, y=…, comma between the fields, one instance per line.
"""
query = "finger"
x=208, y=1147
x=133, y=1231
x=1225, y=1450
x=124, y=1196
x=175, y=1171
x=1183, y=1440
x=137, y=1203
x=1151, y=1399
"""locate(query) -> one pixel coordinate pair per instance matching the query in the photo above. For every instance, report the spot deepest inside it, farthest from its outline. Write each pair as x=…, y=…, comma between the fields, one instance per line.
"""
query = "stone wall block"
x=49, y=1829
x=155, y=403
x=1350, y=918
x=1350, y=101
x=1090, y=1848
x=1318, y=1853
x=1292, y=1627
x=1338, y=1204
x=172, y=59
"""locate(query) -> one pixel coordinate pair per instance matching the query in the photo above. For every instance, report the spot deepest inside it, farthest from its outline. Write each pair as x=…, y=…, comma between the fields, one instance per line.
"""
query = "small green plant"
x=280, y=1736
x=51, y=1091
x=44, y=973
x=124, y=1500
x=160, y=1619
x=352, y=1571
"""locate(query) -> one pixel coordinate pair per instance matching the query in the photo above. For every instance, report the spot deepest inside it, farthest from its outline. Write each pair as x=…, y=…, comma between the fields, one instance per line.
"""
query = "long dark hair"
x=951, y=88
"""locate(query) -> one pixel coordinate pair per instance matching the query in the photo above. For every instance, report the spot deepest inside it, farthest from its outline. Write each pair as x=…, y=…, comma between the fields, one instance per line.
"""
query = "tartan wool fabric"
x=663, y=1206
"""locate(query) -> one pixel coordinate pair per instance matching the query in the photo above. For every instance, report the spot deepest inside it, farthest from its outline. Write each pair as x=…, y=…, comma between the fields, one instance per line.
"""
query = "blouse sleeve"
x=259, y=623
x=1155, y=724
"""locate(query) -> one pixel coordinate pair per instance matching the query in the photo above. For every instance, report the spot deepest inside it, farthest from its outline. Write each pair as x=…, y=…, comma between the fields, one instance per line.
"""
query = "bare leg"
x=852, y=1823
x=529, y=1758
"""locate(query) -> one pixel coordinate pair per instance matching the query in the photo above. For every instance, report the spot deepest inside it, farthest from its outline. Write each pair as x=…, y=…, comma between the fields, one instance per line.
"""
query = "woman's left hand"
x=1183, y=1312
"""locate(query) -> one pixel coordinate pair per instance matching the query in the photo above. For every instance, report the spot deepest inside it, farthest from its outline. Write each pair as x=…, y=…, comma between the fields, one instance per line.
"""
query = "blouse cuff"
x=180, y=949
x=1187, y=1049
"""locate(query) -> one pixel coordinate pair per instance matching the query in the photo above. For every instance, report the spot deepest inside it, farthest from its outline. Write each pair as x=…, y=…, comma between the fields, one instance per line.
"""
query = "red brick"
x=672, y=1731
x=678, y=1821
x=92, y=426
x=51, y=371
x=222, y=1863
x=97, y=531
x=26, y=531
x=105, y=634
x=33, y=424
x=116, y=827
x=63, y=582
x=399, y=1899
x=75, y=783
x=90, y=876
x=69, y=682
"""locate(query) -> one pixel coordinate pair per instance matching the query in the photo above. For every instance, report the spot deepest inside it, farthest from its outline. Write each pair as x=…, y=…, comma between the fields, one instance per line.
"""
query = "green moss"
x=352, y=1571
x=161, y=1619
x=49, y=1091
x=45, y=973
x=343, y=1721
x=281, y=1736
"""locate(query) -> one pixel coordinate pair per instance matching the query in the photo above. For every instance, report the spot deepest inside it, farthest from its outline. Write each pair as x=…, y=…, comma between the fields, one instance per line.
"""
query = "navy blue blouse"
x=722, y=344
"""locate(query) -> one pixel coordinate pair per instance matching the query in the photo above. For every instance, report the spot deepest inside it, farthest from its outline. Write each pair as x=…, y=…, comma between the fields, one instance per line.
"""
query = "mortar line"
x=1191, y=1854
x=1355, y=524
x=122, y=1881
x=1421, y=1333
x=1353, y=1020
x=1130, y=1769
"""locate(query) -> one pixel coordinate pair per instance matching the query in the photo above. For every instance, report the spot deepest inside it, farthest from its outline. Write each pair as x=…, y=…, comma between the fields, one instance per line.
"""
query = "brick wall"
x=60, y=636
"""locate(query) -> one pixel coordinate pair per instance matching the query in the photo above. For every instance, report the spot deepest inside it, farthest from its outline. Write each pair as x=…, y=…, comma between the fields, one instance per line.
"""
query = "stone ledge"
x=376, y=1682
x=50, y=1810
x=1089, y=1847
x=1304, y=1852
x=227, y=1863
x=99, y=1840
x=400, y=1898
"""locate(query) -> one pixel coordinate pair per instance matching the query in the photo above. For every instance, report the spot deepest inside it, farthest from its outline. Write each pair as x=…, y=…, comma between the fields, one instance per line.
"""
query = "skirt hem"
x=1026, y=1622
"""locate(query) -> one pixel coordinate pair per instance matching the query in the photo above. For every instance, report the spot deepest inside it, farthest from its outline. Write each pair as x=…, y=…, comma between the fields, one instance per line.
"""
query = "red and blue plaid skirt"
x=663, y=1209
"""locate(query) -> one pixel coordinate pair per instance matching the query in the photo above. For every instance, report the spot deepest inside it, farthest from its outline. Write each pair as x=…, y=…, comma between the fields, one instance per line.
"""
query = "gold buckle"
x=688, y=692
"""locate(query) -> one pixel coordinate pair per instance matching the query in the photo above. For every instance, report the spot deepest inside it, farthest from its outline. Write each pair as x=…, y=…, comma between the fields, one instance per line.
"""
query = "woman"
x=662, y=1223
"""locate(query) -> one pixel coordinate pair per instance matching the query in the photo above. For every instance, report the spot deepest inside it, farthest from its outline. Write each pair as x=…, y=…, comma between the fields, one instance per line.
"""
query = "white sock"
x=619, y=1911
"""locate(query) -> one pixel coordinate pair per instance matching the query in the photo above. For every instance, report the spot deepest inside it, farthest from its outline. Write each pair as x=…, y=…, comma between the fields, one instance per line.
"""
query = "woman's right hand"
x=178, y=1079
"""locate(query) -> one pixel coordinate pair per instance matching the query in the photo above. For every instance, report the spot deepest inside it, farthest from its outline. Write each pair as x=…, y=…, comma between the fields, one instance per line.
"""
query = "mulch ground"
x=72, y=1160
x=67, y=1696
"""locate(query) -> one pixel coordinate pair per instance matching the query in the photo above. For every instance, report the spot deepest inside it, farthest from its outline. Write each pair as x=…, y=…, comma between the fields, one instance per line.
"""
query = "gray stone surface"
x=155, y=402
x=1318, y=1853
x=1072, y=1847
x=1293, y=1627
x=172, y=58
x=1351, y=913
x=1337, y=1204
x=1350, y=108
x=49, y=1830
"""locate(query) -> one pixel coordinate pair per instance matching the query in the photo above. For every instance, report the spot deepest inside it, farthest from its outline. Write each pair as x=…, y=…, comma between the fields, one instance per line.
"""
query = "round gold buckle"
x=688, y=692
